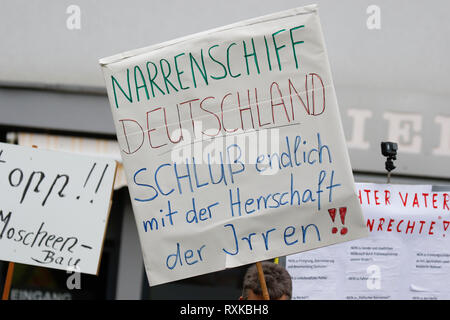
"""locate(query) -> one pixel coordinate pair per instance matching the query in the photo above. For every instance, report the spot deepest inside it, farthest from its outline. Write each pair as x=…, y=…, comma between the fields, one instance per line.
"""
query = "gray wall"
x=408, y=53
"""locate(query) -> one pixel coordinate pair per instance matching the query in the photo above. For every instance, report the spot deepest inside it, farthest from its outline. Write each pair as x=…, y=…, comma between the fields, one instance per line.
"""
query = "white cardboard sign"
x=54, y=207
x=233, y=146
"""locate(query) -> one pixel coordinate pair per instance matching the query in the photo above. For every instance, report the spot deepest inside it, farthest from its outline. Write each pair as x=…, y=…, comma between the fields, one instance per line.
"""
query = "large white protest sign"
x=54, y=207
x=406, y=256
x=233, y=147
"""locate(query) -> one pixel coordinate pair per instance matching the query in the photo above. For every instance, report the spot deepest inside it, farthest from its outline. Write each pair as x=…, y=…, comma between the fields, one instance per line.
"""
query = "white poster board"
x=406, y=256
x=232, y=145
x=54, y=207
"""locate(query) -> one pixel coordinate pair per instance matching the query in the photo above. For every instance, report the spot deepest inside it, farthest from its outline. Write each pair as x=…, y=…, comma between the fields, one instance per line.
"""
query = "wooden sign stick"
x=262, y=281
x=8, y=281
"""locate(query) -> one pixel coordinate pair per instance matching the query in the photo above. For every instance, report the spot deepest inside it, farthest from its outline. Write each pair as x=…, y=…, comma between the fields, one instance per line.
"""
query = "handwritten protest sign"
x=233, y=147
x=54, y=207
x=406, y=256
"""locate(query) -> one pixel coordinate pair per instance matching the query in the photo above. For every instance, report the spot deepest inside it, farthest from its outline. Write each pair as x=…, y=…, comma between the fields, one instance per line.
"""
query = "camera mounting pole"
x=389, y=150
